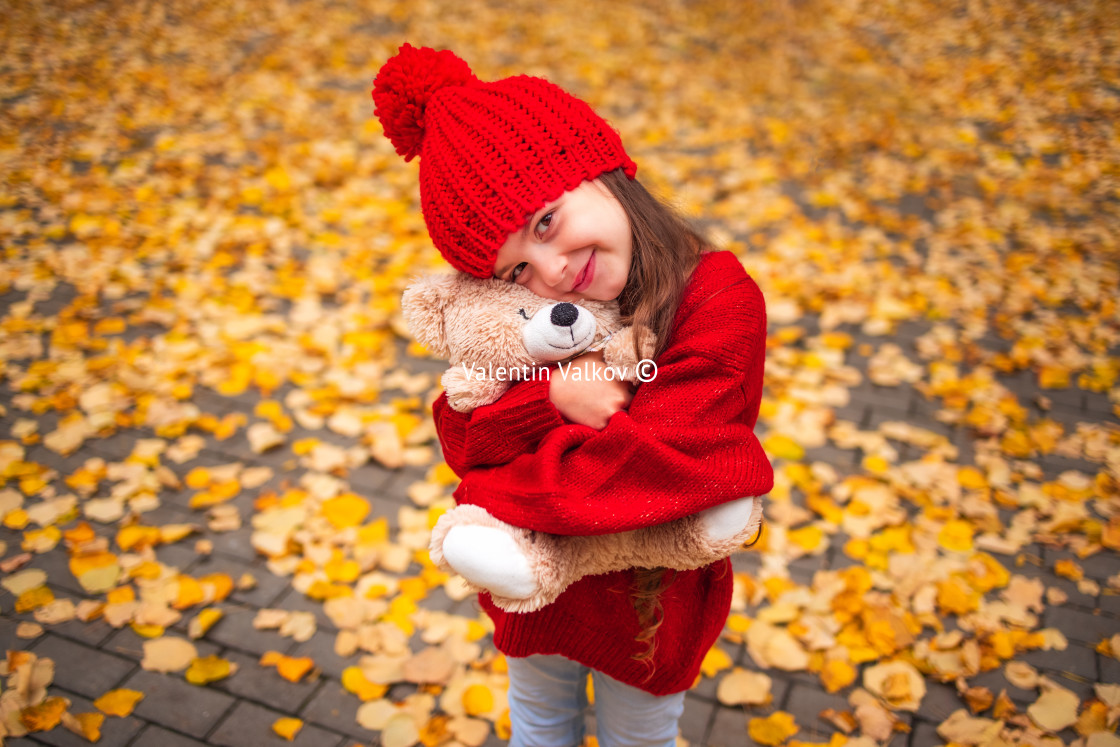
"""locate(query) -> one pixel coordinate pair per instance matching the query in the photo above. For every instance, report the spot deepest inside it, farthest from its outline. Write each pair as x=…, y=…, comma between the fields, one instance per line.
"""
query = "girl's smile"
x=576, y=247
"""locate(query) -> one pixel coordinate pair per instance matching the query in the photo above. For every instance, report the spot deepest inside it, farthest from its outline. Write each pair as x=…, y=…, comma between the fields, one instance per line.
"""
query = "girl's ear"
x=423, y=304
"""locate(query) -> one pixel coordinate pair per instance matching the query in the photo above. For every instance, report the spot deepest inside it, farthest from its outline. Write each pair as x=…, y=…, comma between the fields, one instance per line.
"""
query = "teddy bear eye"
x=522, y=313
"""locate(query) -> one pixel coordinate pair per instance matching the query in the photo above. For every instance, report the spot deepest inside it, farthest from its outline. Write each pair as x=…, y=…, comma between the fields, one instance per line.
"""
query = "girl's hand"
x=581, y=397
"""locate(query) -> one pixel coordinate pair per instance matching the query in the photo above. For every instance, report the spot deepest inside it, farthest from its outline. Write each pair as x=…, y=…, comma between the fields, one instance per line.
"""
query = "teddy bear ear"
x=423, y=303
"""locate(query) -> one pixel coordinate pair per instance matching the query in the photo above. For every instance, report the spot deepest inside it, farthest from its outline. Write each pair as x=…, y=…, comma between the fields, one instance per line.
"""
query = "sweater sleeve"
x=683, y=446
x=499, y=432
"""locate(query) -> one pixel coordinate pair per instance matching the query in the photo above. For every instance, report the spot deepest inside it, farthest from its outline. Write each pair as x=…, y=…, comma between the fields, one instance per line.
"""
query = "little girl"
x=521, y=181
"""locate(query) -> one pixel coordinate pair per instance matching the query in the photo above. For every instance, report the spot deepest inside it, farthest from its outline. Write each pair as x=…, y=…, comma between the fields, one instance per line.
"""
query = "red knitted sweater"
x=686, y=443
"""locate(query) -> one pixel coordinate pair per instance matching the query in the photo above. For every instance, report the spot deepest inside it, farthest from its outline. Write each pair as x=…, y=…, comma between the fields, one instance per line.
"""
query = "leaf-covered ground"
x=205, y=236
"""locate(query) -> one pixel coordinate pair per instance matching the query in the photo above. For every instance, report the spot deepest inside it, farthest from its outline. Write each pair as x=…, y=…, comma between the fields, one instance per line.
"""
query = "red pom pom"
x=403, y=87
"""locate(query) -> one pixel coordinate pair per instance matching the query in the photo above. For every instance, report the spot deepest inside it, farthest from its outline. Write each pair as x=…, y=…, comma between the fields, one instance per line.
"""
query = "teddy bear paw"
x=730, y=520
x=489, y=558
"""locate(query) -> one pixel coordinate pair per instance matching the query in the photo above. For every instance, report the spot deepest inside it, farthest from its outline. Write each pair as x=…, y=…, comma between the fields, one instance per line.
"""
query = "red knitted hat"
x=491, y=154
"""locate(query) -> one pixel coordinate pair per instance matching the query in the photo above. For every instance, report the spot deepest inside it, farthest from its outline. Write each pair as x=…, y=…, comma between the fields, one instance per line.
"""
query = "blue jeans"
x=548, y=697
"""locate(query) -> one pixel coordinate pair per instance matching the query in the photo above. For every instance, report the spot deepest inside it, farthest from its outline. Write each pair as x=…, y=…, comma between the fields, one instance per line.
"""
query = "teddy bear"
x=494, y=333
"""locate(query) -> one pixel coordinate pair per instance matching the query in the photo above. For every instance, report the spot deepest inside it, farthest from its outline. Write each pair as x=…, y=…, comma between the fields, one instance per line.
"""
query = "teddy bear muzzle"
x=558, y=331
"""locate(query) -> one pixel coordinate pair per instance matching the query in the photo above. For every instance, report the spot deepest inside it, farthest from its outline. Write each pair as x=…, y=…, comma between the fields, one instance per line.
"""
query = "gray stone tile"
x=268, y=586
x=1078, y=658
x=236, y=631
x=806, y=704
x=729, y=728
x=336, y=710
x=81, y=669
x=1080, y=626
x=249, y=723
x=157, y=736
x=264, y=685
x=924, y=734
x=697, y=716
x=172, y=702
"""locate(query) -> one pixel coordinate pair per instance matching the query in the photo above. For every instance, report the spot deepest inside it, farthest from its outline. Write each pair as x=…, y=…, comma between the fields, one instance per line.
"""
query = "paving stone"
x=157, y=736
x=236, y=630
x=1102, y=565
x=729, y=728
x=127, y=644
x=297, y=601
x=237, y=543
x=706, y=688
x=1110, y=604
x=1078, y=625
x=335, y=709
x=321, y=649
x=264, y=685
x=81, y=669
x=171, y=701
x=698, y=714
x=1078, y=658
x=250, y=723
x=1110, y=669
x=996, y=681
x=924, y=734
x=806, y=703
x=115, y=732
x=1079, y=685
x=92, y=633
x=268, y=587
x=940, y=701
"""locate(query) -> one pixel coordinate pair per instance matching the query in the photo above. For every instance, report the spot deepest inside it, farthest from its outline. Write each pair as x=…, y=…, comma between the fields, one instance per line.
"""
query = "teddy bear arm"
x=684, y=544
x=469, y=388
x=619, y=352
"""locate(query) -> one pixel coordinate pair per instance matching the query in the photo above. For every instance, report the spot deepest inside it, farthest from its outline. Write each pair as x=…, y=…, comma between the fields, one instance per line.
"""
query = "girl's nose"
x=551, y=269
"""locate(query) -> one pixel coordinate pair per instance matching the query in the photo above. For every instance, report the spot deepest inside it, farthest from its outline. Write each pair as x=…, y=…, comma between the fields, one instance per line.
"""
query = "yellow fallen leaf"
x=346, y=510
x=33, y=599
x=715, y=661
x=956, y=536
x=44, y=716
x=772, y=730
x=203, y=621
x=118, y=702
x=780, y=446
x=400, y=731
x=478, y=700
x=168, y=655
x=355, y=682
x=287, y=727
x=1055, y=709
x=87, y=725
x=836, y=674
x=744, y=687
x=209, y=669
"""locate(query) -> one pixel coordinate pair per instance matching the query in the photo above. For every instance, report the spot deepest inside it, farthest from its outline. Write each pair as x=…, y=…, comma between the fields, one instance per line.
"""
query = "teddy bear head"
x=495, y=324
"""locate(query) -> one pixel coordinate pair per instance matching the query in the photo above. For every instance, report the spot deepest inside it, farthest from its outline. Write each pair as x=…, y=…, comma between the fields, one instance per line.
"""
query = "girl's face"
x=576, y=247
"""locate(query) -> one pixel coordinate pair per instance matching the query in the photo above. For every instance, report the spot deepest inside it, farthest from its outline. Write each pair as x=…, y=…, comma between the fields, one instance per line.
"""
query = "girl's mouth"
x=586, y=275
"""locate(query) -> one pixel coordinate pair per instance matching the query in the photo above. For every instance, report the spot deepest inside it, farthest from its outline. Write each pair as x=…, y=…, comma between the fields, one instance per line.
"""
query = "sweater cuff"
x=526, y=414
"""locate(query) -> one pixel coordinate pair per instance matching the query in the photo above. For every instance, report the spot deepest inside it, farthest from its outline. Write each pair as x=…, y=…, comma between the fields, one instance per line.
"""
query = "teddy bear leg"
x=489, y=558
x=736, y=521
x=523, y=570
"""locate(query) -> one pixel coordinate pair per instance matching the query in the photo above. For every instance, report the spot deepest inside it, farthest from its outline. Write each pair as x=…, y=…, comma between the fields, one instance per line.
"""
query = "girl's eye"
x=543, y=224
x=517, y=271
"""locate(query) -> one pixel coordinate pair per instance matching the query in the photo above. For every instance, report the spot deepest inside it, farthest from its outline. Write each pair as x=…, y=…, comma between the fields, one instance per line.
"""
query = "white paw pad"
x=726, y=520
x=489, y=558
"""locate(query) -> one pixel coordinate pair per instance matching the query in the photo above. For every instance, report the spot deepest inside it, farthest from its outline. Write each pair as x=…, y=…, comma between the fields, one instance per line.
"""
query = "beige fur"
x=480, y=323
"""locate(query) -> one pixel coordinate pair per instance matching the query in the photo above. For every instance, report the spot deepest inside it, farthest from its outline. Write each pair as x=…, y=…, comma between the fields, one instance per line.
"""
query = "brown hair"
x=666, y=251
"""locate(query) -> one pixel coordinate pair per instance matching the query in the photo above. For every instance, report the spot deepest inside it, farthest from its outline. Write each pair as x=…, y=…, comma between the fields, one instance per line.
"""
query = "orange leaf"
x=118, y=702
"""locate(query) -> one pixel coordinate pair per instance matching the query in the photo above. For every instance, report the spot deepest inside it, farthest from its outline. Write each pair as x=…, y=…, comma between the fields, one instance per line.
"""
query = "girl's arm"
x=686, y=444
x=496, y=433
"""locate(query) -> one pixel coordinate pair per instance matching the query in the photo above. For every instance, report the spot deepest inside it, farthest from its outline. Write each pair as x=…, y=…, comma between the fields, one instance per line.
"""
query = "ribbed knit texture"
x=491, y=154
x=686, y=443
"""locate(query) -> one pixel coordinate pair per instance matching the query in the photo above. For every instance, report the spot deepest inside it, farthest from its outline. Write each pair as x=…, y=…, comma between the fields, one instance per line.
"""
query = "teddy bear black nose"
x=564, y=314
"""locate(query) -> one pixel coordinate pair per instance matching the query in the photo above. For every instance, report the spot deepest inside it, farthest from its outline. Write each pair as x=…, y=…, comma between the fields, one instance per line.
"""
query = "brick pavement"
x=93, y=658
